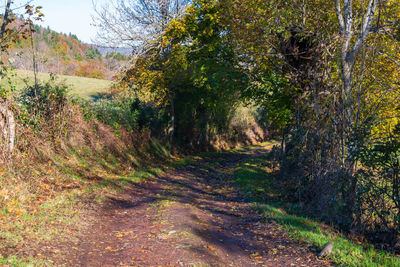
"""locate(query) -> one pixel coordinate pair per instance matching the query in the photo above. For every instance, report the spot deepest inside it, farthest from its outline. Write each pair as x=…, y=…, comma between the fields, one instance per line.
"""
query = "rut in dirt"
x=190, y=216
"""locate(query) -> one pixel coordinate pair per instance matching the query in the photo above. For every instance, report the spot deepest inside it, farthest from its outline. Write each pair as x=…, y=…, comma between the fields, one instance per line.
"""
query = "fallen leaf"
x=211, y=248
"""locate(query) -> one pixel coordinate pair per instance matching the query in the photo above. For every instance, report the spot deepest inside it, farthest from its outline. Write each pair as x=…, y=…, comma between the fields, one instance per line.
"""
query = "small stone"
x=327, y=250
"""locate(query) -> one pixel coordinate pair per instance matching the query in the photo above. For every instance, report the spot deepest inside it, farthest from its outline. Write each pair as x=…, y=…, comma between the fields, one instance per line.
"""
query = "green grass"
x=183, y=162
x=256, y=178
x=27, y=262
x=86, y=88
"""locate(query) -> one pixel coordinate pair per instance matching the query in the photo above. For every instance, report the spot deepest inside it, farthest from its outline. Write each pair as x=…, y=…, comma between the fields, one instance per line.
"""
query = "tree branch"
x=5, y=19
x=365, y=30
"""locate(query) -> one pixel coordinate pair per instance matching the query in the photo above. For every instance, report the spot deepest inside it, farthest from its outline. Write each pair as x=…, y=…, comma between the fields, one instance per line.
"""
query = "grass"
x=55, y=218
x=86, y=88
x=257, y=179
x=47, y=201
x=59, y=217
x=187, y=160
x=16, y=261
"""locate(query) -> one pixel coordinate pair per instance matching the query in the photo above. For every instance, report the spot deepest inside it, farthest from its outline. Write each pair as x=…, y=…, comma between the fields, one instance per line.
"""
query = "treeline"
x=62, y=54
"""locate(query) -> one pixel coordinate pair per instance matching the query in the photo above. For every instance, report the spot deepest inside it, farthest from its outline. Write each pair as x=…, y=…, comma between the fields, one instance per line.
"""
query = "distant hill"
x=104, y=50
x=65, y=54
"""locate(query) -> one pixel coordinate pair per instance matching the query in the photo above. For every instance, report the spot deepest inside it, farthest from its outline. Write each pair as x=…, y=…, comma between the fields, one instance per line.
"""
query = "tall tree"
x=5, y=19
x=7, y=119
x=9, y=35
x=135, y=22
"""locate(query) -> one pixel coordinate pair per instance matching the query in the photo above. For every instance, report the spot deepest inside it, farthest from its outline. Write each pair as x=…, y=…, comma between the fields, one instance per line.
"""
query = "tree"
x=7, y=119
x=324, y=69
x=135, y=23
x=192, y=71
x=9, y=35
x=5, y=19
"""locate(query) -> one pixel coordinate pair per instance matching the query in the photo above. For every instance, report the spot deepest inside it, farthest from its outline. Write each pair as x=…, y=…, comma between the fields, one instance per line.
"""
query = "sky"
x=68, y=16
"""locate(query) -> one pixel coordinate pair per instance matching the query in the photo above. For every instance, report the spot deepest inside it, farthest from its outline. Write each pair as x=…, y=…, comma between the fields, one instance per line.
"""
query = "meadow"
x=86, y=88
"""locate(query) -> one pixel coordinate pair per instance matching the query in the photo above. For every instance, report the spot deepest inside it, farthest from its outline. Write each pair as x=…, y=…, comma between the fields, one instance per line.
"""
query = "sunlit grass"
x=80, y=86
x=52, y=205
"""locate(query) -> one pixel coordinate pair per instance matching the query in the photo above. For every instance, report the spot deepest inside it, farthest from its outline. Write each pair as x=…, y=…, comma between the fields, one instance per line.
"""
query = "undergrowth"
x=49, y=201
x=260, y=182
x=53, y=180
x=71, y=155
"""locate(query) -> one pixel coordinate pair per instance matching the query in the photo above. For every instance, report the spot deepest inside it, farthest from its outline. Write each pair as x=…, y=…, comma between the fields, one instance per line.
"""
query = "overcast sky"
x=68, y=16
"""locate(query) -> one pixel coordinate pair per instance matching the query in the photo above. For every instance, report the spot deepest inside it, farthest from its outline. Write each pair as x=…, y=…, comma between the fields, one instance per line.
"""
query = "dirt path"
x=191, y=216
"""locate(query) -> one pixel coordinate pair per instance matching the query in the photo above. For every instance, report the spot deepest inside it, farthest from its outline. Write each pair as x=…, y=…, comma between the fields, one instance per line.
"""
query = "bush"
x=44, y=105
x=44, y=100
x=380, y=183
x=123, y=111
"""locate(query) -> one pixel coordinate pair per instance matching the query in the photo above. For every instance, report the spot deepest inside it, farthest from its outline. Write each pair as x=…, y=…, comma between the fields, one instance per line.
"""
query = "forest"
x=279, y=116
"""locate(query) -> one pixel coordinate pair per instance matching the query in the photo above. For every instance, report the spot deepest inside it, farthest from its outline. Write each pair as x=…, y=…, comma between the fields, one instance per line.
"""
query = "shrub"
x=44, y=105
x=122, y=111
x=380, y=183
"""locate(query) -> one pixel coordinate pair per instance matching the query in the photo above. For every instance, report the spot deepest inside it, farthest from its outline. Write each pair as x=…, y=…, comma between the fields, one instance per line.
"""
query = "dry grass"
x=45, y=192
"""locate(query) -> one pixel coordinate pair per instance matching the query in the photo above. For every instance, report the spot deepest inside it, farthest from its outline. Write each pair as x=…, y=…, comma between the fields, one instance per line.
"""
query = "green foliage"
x=92, y=53
x=122, y=111
x=195, y=74
x=383, y=155
x=43, y=102
x=7, y=74
x=380, y=181
x=261, y=183
x=274, y=93
x=117, y=56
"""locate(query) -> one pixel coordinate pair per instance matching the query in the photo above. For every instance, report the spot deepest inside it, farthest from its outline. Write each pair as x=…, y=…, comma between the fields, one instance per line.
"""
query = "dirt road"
x=188, y=216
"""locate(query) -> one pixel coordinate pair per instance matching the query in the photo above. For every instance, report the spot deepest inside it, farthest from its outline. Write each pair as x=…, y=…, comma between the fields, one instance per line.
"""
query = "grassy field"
x=84, y=87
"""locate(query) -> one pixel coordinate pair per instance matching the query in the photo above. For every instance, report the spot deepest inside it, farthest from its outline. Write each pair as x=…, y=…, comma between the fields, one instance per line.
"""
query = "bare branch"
x=135, y=22
x=339, y=14
x=365, y=30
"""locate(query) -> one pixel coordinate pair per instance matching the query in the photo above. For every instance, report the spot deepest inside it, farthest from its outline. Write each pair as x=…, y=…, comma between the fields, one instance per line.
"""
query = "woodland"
x=320, y=78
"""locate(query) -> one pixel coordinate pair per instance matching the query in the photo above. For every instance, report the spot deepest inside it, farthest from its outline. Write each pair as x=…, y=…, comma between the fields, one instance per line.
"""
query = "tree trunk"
x=5, y=19
x=352, y=43
x=172, y=132
x=8, y=129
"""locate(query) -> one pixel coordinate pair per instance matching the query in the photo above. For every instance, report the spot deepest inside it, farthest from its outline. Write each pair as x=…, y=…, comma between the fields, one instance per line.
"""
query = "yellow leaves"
x=211, y=248
x=126, y=234
x=256, y=257
x=15, y=208
x=112, y=249
x=165, y=42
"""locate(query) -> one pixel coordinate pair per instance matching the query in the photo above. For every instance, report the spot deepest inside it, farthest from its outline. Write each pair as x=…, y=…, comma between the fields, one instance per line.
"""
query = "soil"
x=188, y=216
